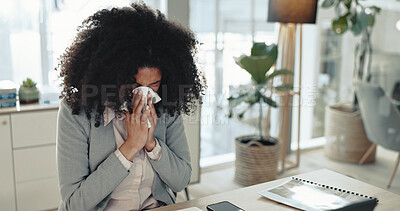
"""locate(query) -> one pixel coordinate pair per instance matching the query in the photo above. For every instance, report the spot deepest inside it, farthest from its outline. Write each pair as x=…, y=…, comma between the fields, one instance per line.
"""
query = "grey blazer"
x=89, y=171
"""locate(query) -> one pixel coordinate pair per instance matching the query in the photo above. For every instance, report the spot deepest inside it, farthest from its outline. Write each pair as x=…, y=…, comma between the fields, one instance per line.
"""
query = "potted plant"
x=28, y=92
x=257, y=155
x=344, y=129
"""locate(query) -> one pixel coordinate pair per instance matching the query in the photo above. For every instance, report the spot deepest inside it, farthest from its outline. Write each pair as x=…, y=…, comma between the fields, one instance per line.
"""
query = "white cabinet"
x=28, y=161
x=7, y=192
x=28, y=158
x=34, y=163
x=38, y=194
x=34, y=128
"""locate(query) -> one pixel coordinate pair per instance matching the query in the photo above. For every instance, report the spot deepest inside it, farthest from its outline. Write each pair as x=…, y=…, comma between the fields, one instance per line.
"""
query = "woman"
x=115, y=159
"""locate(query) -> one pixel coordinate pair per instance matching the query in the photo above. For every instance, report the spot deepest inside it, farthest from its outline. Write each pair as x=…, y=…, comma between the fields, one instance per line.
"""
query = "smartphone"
x=223, y=206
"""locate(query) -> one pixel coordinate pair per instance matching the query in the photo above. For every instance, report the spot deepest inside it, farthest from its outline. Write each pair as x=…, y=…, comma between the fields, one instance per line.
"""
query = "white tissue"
x=155, y=98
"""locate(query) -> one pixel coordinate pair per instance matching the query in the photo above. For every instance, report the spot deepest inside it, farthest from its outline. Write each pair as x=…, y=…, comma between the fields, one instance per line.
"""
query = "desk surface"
x=248, y=199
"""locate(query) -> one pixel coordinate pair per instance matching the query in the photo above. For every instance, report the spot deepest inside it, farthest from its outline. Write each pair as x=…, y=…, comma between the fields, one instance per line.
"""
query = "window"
x=226, y=29
x=34, y=33
x=328, y=77
x=20, y=52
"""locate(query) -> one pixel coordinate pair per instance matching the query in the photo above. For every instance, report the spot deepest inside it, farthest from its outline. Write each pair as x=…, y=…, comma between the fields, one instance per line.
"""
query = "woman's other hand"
x=151, y=142
x=136, y=126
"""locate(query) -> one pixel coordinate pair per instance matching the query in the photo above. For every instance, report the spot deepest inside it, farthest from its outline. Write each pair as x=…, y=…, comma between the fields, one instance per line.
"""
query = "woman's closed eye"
x=155, y=84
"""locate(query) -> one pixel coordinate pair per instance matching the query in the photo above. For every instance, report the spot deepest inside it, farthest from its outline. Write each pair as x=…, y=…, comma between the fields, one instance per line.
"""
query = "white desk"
x=248, y=199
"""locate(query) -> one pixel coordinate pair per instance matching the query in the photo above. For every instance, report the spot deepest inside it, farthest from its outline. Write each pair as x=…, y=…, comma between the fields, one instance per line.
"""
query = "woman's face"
x=148, y=76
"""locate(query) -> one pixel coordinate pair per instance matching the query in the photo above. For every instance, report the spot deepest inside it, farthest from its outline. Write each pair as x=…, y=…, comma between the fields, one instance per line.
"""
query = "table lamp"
x=289, y=13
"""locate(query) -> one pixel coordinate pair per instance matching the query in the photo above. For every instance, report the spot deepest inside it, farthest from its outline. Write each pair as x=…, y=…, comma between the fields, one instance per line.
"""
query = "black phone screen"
x=224, y=206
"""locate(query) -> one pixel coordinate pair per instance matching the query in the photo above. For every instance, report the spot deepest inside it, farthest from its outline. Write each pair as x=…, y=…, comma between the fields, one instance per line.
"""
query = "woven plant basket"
x=346, y=139
x=255, y=163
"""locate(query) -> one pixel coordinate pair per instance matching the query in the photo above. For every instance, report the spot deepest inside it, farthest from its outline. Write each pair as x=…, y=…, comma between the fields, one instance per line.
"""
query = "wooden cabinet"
x=28, y=161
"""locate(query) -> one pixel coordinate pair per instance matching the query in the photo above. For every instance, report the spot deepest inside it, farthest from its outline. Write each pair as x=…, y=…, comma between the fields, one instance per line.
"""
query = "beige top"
x=134, y=192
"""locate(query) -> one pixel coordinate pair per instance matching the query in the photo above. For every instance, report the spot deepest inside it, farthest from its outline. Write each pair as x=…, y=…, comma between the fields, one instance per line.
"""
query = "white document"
x=307, y=195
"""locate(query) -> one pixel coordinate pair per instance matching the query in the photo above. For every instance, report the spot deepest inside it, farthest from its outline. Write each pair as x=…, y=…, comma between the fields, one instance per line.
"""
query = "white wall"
x=386, y=37
x=178, y=10
x=386, y=44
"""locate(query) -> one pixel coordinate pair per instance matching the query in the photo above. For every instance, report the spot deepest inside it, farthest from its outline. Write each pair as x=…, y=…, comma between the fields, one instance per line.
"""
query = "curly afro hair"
x=113, y=44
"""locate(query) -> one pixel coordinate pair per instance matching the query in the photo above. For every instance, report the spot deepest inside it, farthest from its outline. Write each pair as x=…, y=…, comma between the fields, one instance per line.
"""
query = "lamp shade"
x=292, y=11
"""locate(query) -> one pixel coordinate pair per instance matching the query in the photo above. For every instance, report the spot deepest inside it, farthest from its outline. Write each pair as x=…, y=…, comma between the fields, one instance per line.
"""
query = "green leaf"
x=251, y=103
x=238, y=97
x=242, y=114
x=279, y=72
x=365, y=19
x=257, y=66
x=327, y=3
x=28, y=83
x=253, y=99
x=254, y=66
x=269, y=101
x=235, y=101
x=376, y=9
x=284, y=87
x=362, y=20
x=356, y=27
x=339, y=26
x=260, y=49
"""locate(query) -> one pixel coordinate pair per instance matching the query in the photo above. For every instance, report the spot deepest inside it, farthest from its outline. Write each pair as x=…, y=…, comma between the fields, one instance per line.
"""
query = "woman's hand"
x=151, y=142
x=136, y=126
